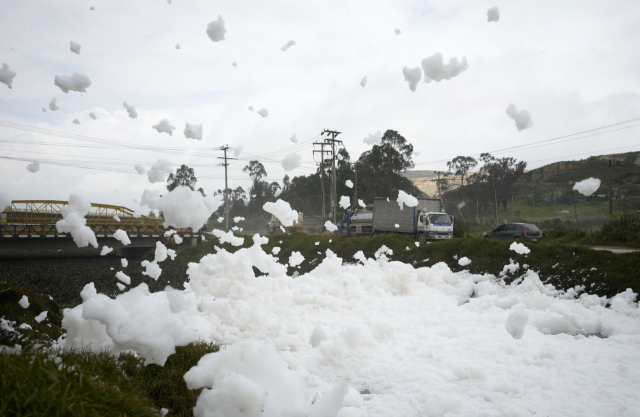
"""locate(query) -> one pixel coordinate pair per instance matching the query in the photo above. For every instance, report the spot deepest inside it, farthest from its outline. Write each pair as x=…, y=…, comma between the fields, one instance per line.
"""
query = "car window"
x=511, y=227
x=531, y=228
x=499, y=228
x=440, y=219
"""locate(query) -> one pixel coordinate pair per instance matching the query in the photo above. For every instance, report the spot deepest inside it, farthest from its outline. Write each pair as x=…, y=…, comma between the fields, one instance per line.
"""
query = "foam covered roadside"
x=420, y=341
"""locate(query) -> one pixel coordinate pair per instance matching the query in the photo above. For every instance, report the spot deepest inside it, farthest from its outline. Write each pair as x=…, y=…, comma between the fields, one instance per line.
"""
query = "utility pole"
x=511, y=207
x=477, y=207
x=321, y=152
x=610, y=194
x=575, y=209
x=495, y=200
x=355, y=168
x=226, y=148
x=533, y=199
x=332, y=141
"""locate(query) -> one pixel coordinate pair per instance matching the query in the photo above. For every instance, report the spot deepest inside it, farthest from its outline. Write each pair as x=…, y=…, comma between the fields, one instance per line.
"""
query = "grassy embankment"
x=101, y=384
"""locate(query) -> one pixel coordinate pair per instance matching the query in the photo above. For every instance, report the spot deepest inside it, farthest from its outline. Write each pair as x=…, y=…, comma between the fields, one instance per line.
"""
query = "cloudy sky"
x=573, y=66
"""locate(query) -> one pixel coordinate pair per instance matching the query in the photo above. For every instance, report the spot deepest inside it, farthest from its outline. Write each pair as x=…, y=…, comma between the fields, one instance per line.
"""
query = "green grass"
x=81, y=383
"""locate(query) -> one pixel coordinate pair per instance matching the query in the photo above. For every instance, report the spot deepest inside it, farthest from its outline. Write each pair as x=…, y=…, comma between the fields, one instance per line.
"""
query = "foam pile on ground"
x=423, y=341
x=345, y=201
x=588, y=186
x=229, y=237
x=216, y=29
x=184, y=208
x=75, y=82
x=158, y=170
x=283, y=211
x=406, y=199
x=464, y=261
x=519, y=248
x=436, y=70
x=24, y=301
x=130, y=110
x=6, y=75
x=123, y=277
x=164, y=126
x=41, y=317
x=193, y=131
x=291, y=161
x=493, y=14
x=521, y=117
x=73, y=222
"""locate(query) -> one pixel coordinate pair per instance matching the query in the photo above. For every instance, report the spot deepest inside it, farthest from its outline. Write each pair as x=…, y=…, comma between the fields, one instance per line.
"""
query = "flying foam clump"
x=361, y=203
x=412, y=76
x=291, y=161
x=53, y=104
x=293, y=138
x=407, y=199
x=193, y=131
x=34, y=166
x=348, y=183
x=363, y=81
x=139, y=168
x=75, y=121
x=493, y=14
x=237, y=151
x=164, y=126
x=288, y=45
x=330, y=226
x=282, y=210
x=158, y=170
x=436, y=70
x=588, y=186
x=131, y=110
x=345, y=201
x=75, y=82
x=229, y=237
x=216, y=30
x=263, y=112
x=521, y=117
x=73, y=222
x=121, y=236
x=373, y=138
x=93, y=115
x=6, y=75
x=75, y=47
x=184, y=208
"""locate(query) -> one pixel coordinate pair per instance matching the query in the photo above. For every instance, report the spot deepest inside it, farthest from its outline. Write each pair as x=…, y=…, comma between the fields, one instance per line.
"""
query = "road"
x=615, y=249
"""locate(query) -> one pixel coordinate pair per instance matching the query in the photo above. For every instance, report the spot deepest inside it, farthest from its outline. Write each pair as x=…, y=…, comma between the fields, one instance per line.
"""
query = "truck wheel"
x=422, y=238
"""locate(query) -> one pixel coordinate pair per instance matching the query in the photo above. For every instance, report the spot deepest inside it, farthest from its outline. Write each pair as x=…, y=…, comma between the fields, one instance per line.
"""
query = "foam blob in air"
x=237, y=151
x=345, y=201
x=521, y=117
x=436, y=70
x=291, y=161
x=406, y=199
x=164, y=126
x=158, y=170
x=75, y=47
x=373, y=138
x=348, y=183
x=493, y=14
x=121, y=236
x=131, y=110
x=184, y=208
x=34, y=166
x=283, y=211
x=93, y=115
x=75, y=121
x=75, y=82
x=587, y=187
x=140, y=169
x=53, y=104
x=263, y=112
x=216, y=30
x=288, y=45
x=6, y=75
x=293, y=138
x=412, y=76
x=193, y=131
x=363, y=81
x=73, y=222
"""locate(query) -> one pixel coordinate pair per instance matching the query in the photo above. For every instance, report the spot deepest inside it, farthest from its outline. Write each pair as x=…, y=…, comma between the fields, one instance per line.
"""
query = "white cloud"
x=363, y=81
x=193, y=131
x=139, y=168
x=33, y=166
x=237, y=150
x=75, y=121
x=157, y=172
x=436, y=70
x=263, y=112
x=53, y=106
x=293, y=138
x=288, y=45
x=75, y=82
x=93, y=115
x=6, y=75
x=412, y=76
x=216, y=29
x=131, y=110
x=291, y=161
x=164, y=126
x=373, y=138
x=493, y=14
x=521, y=117
x=75, y=47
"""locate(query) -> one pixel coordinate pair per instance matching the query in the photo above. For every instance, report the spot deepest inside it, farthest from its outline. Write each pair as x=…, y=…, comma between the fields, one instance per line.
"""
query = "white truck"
x=427, y=221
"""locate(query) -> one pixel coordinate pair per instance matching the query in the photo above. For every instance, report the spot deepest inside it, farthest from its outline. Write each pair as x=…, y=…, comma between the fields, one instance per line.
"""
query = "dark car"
x=515, y=231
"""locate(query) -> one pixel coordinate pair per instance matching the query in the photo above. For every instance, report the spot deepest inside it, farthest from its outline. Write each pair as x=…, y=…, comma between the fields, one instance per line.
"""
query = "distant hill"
x=425, y=181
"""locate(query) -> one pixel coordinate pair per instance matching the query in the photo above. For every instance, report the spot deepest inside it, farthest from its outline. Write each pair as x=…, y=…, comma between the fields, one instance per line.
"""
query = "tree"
x=183, y=176
x=260, y=191
x=460, y=166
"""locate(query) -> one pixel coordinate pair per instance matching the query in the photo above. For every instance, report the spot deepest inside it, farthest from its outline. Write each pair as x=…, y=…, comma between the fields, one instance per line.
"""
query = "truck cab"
x=434, y=226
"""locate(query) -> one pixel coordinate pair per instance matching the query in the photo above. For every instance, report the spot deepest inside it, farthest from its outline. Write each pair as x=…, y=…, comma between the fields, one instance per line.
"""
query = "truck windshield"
x=440, y=219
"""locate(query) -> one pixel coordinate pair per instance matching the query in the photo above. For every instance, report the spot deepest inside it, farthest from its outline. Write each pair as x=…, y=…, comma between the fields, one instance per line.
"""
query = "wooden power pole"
x=226, y=148
x=332, y=141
